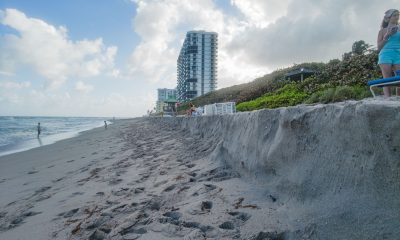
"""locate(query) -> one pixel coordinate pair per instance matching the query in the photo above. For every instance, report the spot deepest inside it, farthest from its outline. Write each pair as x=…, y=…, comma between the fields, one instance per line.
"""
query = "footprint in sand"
x=2, y=214
x=69, y=213
x=77, y=194
x=170, y=188
x=206, y=205
x=43, y=197
x=114, y=181
x=191, y=165
x=139, y=190
x=31, y=213
x=240, y=215
x=209, y=187
x=120, y=192
x=268, y=235
x=33, y=172
x=58, y=179
x=41, y=190
x=69, y=161
x=18, y=220
x=227, y=225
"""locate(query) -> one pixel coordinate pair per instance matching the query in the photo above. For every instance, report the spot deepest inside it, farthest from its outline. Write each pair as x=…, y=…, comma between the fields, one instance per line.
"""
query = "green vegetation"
x=340, y=93
x=337, y=80
x=288, y=95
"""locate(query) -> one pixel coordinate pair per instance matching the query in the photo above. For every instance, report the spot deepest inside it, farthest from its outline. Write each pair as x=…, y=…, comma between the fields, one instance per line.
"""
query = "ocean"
x=20, y=133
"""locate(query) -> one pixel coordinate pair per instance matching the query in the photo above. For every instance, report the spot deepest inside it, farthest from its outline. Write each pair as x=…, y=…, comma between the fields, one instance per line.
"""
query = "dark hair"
x=388, y=14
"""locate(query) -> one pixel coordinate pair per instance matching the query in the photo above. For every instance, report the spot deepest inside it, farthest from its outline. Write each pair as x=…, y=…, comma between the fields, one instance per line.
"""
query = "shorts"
x=389, y=56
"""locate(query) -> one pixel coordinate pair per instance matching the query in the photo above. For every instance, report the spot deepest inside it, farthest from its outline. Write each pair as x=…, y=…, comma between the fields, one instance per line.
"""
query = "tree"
x=360, y=47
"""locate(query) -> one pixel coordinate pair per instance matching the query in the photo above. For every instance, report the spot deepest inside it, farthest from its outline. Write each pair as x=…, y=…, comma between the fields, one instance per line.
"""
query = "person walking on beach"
x=389, y=47
x=191, y=109
x=38, y=129
x=105, y=124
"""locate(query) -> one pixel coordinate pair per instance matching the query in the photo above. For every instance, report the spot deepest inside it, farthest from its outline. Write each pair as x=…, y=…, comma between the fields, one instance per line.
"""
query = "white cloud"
x=82, y=87
x=310, y=31
x=49, y=50
x=14, y=85
x=8, y=74
x=261, y=13
x=162, y=26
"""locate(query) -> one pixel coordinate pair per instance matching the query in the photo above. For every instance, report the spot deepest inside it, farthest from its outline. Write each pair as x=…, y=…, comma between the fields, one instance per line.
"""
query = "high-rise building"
x=197, y=65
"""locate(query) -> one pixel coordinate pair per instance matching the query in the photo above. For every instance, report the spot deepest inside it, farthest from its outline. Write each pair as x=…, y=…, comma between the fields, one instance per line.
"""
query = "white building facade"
x=219, y=108
x=197, y=65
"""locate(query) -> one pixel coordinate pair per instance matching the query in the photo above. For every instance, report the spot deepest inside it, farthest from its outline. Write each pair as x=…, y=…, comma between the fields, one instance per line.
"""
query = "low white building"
x=220, y=108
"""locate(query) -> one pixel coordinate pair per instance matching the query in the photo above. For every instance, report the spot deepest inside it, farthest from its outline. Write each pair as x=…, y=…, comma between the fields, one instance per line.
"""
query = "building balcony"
x=192, y=80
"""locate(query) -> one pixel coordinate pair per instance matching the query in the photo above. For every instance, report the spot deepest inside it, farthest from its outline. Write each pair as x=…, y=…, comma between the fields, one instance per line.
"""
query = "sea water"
x=20, y=133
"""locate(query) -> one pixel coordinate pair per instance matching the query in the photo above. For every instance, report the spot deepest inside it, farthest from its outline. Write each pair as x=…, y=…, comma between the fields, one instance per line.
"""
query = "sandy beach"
x=307, y=172
x=132, y=180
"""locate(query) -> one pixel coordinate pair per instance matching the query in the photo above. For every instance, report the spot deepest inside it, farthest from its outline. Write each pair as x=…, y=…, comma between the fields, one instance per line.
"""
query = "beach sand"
x=136, y=179
x=328, y=171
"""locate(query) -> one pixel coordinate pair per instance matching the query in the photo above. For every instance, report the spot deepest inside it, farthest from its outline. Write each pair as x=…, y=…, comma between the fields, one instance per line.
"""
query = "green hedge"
x=289, y=95
x=340, y=93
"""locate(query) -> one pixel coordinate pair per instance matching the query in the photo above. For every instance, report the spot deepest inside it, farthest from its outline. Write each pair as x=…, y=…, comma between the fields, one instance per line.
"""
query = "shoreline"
x=38, y=142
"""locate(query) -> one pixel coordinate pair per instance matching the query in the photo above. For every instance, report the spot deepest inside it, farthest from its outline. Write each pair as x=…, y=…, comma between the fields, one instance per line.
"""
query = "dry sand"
x=307, y=172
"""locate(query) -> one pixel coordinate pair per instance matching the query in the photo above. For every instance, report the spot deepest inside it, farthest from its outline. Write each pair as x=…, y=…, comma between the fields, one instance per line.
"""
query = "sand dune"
x=307, y=172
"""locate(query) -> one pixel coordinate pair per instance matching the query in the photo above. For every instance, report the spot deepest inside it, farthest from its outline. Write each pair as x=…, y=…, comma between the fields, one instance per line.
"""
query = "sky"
x=107, y=58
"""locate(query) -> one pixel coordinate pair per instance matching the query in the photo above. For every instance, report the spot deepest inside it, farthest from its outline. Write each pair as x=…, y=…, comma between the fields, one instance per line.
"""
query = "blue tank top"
x=393, y=42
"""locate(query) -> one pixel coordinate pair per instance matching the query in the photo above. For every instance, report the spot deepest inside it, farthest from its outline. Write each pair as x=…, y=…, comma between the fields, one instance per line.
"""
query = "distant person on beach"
x=191, y=109
x=38, y=129
x=173, y=108
x=105, y=124
x=389, y=47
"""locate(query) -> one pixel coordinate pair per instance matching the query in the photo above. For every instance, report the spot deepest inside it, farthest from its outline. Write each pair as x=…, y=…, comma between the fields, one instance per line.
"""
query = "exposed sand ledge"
x=333, y=169
x=307, y=172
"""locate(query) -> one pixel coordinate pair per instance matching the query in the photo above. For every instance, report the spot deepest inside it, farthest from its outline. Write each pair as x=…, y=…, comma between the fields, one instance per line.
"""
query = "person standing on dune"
x=389, y=47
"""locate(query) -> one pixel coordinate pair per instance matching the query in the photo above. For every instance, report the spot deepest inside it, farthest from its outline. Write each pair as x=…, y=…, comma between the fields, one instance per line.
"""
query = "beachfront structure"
x=219, y=108
x=299, y=74
x=166, y=94
x=197, y=65
x=160, y=106
x=166, y=99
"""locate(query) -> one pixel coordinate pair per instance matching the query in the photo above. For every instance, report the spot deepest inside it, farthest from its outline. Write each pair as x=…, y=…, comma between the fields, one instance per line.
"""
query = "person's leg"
x=395, y=68
x=386, y=72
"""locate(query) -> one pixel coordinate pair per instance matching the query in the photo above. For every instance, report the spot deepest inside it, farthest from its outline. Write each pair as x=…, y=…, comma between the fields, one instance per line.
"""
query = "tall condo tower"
x=197, y=65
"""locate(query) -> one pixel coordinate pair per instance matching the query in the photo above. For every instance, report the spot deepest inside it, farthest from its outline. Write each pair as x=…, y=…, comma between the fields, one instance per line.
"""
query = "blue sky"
x=108, y=57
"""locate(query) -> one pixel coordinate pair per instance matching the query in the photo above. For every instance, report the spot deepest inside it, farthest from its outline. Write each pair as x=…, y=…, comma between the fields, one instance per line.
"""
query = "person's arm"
x=383, y=36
